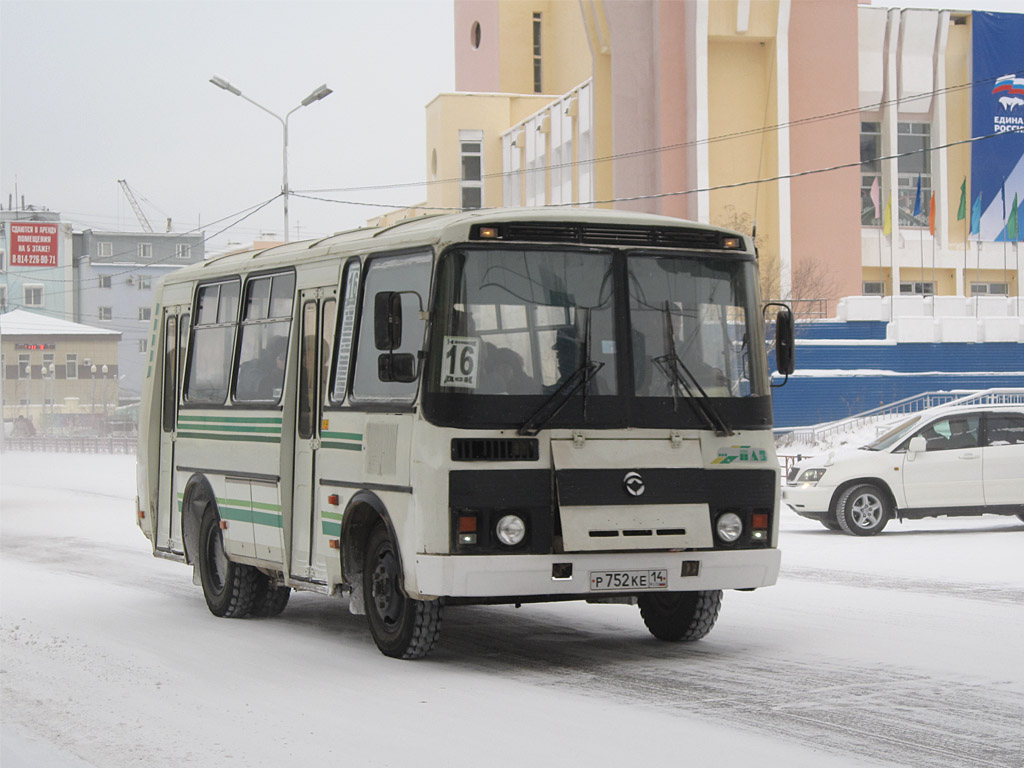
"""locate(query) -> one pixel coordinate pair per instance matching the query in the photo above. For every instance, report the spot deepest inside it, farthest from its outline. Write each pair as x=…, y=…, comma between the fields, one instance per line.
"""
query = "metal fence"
x=68, y=444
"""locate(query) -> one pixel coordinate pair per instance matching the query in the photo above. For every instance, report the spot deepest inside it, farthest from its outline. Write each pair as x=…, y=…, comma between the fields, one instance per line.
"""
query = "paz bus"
x=490, y=407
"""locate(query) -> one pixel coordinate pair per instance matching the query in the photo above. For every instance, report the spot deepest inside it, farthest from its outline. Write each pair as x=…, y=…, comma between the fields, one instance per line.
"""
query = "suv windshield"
x=894, y=435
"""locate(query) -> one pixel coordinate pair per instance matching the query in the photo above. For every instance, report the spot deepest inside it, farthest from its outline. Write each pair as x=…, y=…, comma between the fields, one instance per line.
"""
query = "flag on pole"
x=887, y=221
x=1012, y=226
x=875, y=201
x=961, y=212
x=931, y=214
x=917, y=198
x=976, y=215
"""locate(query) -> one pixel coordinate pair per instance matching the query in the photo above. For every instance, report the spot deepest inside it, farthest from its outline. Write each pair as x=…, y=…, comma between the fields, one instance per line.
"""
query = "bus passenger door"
x=316, y=332
x=168, y=537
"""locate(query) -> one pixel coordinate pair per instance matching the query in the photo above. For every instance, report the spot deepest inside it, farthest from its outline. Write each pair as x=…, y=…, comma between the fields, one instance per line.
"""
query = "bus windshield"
x=529, y=323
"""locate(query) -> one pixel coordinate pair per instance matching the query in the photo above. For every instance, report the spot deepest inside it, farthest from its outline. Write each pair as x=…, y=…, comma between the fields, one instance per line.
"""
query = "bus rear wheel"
x=228, y=587
x=680, y=615
x=402, y=627
x=268, y=600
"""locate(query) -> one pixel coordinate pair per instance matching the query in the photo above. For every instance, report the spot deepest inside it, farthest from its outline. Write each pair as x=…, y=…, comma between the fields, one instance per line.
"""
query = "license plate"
x=628, y=580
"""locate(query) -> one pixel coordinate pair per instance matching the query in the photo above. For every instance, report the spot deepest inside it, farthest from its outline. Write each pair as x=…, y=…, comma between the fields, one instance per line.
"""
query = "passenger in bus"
x=271, y=370
x=510, y=372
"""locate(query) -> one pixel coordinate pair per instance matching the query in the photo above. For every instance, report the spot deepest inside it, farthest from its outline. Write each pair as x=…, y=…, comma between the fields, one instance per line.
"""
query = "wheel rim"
x=217, y=561
x=866, y=510
x=387, y=600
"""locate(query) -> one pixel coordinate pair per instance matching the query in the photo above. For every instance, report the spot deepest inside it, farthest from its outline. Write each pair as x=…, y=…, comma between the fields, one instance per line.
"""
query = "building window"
x=918, y=289
x=145, y=313
x=143, y=345
x=106, y=313
x=183, y=251
x=989, y=289
x=3, y=298
x=71, y=365
x=870, y=172
x=471, y=154
x=24, y=366
x=105, y=281
x=145, y=251
x=917, y=139
x=106, y=250
x=33, y=295
x=873, y=288
x=536, y=54
x=145, y=282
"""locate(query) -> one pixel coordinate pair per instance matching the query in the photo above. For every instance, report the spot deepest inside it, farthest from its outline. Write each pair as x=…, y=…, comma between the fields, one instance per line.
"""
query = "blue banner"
x=997, y=163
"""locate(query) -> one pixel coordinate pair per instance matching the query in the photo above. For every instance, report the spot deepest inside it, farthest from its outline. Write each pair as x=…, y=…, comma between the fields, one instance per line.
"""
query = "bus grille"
x=494, y=449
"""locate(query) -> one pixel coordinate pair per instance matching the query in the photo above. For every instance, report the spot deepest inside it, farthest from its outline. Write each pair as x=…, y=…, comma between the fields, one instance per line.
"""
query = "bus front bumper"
x=576, y=574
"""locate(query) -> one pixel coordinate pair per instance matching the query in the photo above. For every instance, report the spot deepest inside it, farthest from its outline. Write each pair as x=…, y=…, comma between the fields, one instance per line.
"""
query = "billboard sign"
x=997, y=163
x=33, y=244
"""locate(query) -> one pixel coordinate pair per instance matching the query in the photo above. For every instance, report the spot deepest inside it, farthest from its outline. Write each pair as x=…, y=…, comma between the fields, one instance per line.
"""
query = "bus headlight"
x=511, y=530
x=729, y=527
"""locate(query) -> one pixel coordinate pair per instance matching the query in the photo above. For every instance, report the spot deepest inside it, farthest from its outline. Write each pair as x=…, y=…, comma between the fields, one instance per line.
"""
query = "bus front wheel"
x=680, y=615
x=402, y=627
x=228, y=587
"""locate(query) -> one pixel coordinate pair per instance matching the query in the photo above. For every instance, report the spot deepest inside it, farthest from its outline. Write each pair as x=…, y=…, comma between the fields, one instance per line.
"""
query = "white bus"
x=491, y=407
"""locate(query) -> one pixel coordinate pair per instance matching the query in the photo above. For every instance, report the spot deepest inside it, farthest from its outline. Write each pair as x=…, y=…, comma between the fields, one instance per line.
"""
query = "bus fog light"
x=511, y=530
x=729, y=527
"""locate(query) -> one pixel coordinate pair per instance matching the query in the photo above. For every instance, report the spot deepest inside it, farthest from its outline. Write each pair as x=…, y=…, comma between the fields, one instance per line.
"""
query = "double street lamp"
x=317, y=94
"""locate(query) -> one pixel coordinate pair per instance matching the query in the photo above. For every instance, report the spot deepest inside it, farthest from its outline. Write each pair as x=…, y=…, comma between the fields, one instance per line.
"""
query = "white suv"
x=946, y=461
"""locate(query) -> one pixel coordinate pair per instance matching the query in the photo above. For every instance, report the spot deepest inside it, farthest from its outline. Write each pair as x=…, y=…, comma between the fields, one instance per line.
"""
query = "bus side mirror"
x=387, y=320
x=784, y=342
x=400, y=367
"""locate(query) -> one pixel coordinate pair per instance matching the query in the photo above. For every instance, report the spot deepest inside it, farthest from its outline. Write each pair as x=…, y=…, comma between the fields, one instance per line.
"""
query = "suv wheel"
x=863, y=510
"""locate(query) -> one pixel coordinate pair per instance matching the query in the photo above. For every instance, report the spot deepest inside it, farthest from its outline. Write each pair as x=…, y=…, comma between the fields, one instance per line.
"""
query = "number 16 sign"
x=460, y=362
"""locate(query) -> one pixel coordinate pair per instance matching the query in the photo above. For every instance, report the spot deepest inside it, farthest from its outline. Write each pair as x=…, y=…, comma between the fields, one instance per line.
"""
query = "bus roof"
x=435, y=229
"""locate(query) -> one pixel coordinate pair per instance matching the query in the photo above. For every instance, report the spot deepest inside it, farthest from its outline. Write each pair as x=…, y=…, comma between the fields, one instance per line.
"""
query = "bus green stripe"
x=230, y=419
x=263, y=518
x=343, y=446
x=269, y=430
x=331, y=515
x=250, y=516
x=341, y=435
x=331, y=529
x=236, y=438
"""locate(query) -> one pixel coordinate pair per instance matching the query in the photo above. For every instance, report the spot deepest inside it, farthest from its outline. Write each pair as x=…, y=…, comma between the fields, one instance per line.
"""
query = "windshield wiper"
x=581, y=377
x=679, y=375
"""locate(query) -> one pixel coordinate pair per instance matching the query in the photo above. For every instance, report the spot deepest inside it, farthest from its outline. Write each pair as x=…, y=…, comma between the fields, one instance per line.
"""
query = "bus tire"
x=402, y=628
x=228, y=587
x=863, y=510
x=683, y=616
x=268, y=600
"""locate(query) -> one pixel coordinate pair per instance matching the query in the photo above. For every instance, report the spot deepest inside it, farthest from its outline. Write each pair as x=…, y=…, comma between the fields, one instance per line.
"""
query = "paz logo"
x=740, y=453
x=1009, y=90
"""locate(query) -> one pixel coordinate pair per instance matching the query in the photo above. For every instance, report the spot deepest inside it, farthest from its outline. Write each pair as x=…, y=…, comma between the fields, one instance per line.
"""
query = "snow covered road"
x=900, y=650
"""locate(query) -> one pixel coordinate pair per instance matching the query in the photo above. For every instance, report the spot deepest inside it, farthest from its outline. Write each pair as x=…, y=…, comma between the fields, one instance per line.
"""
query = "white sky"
x=93, y=92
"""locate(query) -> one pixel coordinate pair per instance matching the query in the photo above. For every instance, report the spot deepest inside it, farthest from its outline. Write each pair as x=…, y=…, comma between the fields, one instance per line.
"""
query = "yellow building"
x=731, y=112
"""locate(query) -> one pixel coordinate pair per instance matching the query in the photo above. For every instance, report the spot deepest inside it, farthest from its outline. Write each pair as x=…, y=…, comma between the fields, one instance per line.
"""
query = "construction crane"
x=135, y=206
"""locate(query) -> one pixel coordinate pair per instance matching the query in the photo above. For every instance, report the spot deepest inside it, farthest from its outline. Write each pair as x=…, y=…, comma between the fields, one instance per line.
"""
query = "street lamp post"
x=317, y=94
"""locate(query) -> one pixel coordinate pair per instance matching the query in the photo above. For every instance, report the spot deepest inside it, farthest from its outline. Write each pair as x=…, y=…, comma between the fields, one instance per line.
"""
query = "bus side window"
x=307, y=371
x=170, y=372
x=350, y=302
x=211, y=343
x=410, y=275
x=263, y=342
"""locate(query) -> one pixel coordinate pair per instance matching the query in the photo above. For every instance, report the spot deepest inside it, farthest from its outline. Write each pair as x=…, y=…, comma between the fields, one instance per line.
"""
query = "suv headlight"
x=810, y=476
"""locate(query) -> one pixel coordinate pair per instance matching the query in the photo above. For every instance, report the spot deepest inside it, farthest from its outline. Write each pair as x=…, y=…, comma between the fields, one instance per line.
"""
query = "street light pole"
x=318, y=93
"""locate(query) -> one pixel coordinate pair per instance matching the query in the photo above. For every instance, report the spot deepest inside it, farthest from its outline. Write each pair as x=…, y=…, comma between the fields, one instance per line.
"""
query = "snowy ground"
x=897, y=650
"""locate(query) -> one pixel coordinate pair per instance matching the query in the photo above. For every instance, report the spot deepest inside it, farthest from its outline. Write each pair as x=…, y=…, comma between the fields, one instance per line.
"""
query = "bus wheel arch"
x=361, y=515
